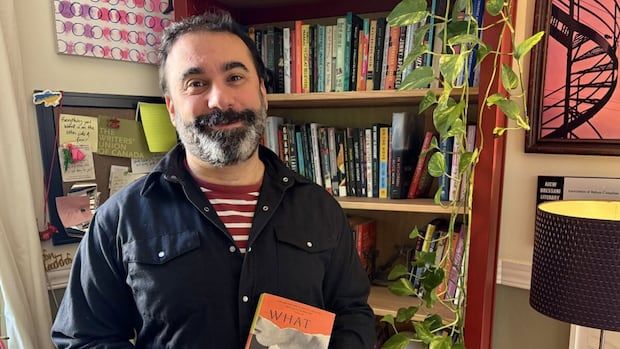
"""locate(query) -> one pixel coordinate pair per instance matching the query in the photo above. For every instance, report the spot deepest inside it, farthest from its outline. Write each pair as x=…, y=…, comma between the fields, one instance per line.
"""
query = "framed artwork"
x=574, y=97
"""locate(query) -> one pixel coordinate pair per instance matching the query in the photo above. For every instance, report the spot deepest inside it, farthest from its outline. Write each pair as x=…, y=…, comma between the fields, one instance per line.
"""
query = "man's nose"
x=221, y=97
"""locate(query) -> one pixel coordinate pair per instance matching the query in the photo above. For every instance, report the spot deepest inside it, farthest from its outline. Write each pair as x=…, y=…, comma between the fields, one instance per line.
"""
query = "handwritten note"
x=78, y=129
x=145, y=165
x=160, y=133
x=121, y=177
x=83, y=170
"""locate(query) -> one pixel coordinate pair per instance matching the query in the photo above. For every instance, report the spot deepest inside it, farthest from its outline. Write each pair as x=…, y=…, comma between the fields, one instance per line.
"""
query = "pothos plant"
x=459, y=32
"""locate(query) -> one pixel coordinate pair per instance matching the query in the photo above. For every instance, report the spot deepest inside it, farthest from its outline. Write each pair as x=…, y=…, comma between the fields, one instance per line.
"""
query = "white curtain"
x=22, y=279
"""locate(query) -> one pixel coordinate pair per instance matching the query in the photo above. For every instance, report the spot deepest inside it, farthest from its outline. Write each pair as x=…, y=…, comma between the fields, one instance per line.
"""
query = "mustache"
x=219, y=117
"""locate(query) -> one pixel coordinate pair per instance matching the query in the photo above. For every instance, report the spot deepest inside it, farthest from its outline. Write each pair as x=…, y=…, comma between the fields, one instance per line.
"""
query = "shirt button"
x=232, y=249
x=265, y=208
x=245, y=299
x=206, y=209
x=249, y=249
x=285, y=179
x=161, y=254
x=309, y=244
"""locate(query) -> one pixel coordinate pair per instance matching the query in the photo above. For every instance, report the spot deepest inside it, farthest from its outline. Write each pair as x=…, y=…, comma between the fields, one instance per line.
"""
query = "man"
x=180, y=258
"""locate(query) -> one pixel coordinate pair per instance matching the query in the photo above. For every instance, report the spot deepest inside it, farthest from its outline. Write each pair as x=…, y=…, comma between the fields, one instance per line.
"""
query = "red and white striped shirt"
x=235, y=205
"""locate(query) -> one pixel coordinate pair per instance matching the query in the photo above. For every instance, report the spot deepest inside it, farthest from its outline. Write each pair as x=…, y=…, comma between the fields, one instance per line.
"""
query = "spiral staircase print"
x=589, y=31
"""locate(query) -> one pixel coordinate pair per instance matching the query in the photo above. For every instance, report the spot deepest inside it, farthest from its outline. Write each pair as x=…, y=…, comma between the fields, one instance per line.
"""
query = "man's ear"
x=263, y=91
x=170, y=107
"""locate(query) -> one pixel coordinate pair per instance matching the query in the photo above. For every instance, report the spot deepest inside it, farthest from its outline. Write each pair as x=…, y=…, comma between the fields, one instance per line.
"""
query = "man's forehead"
x=222, y=44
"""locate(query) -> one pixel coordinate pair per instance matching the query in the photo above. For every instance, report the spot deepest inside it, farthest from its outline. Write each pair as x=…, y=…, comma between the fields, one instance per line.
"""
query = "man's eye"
x=235, y=78
x=195, y=83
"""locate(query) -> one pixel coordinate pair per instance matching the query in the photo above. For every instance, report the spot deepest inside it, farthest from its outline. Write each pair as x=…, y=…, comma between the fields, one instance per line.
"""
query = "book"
x=403, y=153
x=421, y=180
x=284, y=323
x=365, y=236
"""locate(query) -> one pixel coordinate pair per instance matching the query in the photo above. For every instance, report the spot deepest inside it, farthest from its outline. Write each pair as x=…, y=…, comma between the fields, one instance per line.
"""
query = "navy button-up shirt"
x=157, y=265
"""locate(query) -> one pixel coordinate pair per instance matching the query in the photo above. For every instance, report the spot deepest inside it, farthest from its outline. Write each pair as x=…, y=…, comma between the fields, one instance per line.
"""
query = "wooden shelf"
x=355, y=98
x=406, y=205
x=383, y=302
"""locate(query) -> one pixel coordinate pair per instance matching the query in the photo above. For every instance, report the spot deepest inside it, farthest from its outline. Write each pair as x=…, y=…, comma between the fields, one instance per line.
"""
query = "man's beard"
x=223, y=147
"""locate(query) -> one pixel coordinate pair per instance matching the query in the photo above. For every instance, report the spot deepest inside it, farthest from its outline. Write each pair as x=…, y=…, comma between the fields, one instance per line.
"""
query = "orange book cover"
x=287, y=324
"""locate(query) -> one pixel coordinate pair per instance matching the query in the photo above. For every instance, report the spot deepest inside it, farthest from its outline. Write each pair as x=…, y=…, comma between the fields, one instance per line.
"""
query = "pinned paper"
x=77, y=129
x=160, y=133
x=121, y=177
x=73, y=210
x=48, y=98
x=145, y=165
x=126, y=141
x=83, y=170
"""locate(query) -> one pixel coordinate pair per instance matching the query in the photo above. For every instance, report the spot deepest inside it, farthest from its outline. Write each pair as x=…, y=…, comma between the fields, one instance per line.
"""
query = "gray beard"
x=221, y=148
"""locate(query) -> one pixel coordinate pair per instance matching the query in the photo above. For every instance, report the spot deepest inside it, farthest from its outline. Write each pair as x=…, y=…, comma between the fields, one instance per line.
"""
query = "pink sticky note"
x=73, y=210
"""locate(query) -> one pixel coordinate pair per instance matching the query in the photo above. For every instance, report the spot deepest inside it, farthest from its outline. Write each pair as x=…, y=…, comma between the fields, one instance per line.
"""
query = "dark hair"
x=214, y=20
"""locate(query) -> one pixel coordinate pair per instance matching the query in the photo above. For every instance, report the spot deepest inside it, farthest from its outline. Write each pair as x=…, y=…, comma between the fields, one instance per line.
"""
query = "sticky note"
x=159, y=131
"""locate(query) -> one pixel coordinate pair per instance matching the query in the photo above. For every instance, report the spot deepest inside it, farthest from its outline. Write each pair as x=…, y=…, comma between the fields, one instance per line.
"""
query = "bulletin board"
x=85, y=104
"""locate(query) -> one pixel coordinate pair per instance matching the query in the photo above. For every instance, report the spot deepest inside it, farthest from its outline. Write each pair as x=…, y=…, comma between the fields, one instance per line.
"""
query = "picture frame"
x=574, y=97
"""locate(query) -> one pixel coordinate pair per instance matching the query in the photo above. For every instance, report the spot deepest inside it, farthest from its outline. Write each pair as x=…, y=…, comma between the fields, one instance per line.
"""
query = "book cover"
x=403, y=153
x=551, y=188
x=365, y=235
x=417, y=187
x=287, y=324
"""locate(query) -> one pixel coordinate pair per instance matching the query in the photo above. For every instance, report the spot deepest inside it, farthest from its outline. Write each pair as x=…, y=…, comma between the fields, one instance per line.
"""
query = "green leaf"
x=428, y=100
x=461, y=27
x=432, y=277
x=458, y=346
x=430, y=298
x=405, y=314
x=434, y=143
x=437, y=197
x=494, y=7
x=456, y=129
x=444, y=118
x=481, y=53
x=399, y=270
x=419, y=78
x=510, y=108
x=509, y=78
x=389, y=318
x=494, y=98
x=465, y=160
x=464, y=39
x=451, y=66
x=424, y=258
x=437, y=165
x=402, y=287
x=440, y=342
x=423, y=332
x=461, y=5
x=414, y=233
x=397, y=341
x=408, y=12
x=414, y=54
x=433, y=322
x=419, y=35
x=525, y=47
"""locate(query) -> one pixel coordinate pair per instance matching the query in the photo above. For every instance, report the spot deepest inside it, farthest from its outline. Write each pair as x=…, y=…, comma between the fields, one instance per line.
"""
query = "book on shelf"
x=365, y=237
x=285, y=323
x=421, y=180
x=446, y=146
x=403, y=153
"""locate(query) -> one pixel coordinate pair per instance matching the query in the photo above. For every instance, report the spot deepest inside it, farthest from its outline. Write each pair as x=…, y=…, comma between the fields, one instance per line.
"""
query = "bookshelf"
x=355, y=109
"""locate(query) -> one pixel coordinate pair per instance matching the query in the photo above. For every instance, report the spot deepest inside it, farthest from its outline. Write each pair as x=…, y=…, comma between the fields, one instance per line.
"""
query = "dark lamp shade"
x=576, y=265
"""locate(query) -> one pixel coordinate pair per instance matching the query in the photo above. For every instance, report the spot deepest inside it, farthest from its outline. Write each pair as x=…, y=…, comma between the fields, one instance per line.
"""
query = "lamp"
x=576, y=265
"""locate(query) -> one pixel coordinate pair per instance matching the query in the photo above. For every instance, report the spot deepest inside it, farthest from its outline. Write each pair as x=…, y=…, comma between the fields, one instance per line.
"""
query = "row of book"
x=448, y=253
x=354, y=54
x=381, y=161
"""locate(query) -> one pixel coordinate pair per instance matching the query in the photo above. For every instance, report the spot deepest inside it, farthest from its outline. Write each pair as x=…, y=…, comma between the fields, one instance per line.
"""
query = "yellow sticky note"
x=77, y=129
x=159, y=131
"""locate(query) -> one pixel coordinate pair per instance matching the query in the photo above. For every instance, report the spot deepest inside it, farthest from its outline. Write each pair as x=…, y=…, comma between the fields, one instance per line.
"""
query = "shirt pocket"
x=303, y=256
x=162, y=271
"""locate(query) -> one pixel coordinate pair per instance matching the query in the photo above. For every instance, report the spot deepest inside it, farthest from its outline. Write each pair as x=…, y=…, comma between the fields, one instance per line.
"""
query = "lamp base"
x=601, y=340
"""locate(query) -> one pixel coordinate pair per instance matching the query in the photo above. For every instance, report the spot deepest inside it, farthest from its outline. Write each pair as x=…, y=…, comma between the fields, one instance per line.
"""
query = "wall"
x=515, y=321
x=45, y=69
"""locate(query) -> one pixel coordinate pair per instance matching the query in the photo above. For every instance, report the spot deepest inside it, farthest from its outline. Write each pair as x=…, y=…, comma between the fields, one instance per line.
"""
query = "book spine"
x=348, y=43
x=316, y=155
x=329, y=45
x=360, y=190
x=384, y=59
x=299, y=57
x=363, y=56
x=320, y=87
x=341, y=25
x=286, y=40
x=325, y=162
x=292, y=153
x=341, y=164
x=400, y=56
x=278, y=57
x=375, y=161
x=368, y=160
x=372, y=46
x=454, y=170
x=420, y=166
x=383, y=161
x=314, y=38
x=305, y=60
x=445, y=146
x=333, y=162
x=350, y=161
x=392, y=58
x=285, y=146
x=301, y=163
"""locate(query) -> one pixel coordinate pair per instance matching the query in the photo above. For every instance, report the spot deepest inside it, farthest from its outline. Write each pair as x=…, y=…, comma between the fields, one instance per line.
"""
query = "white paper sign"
x=83, y=170
x=145, y=165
